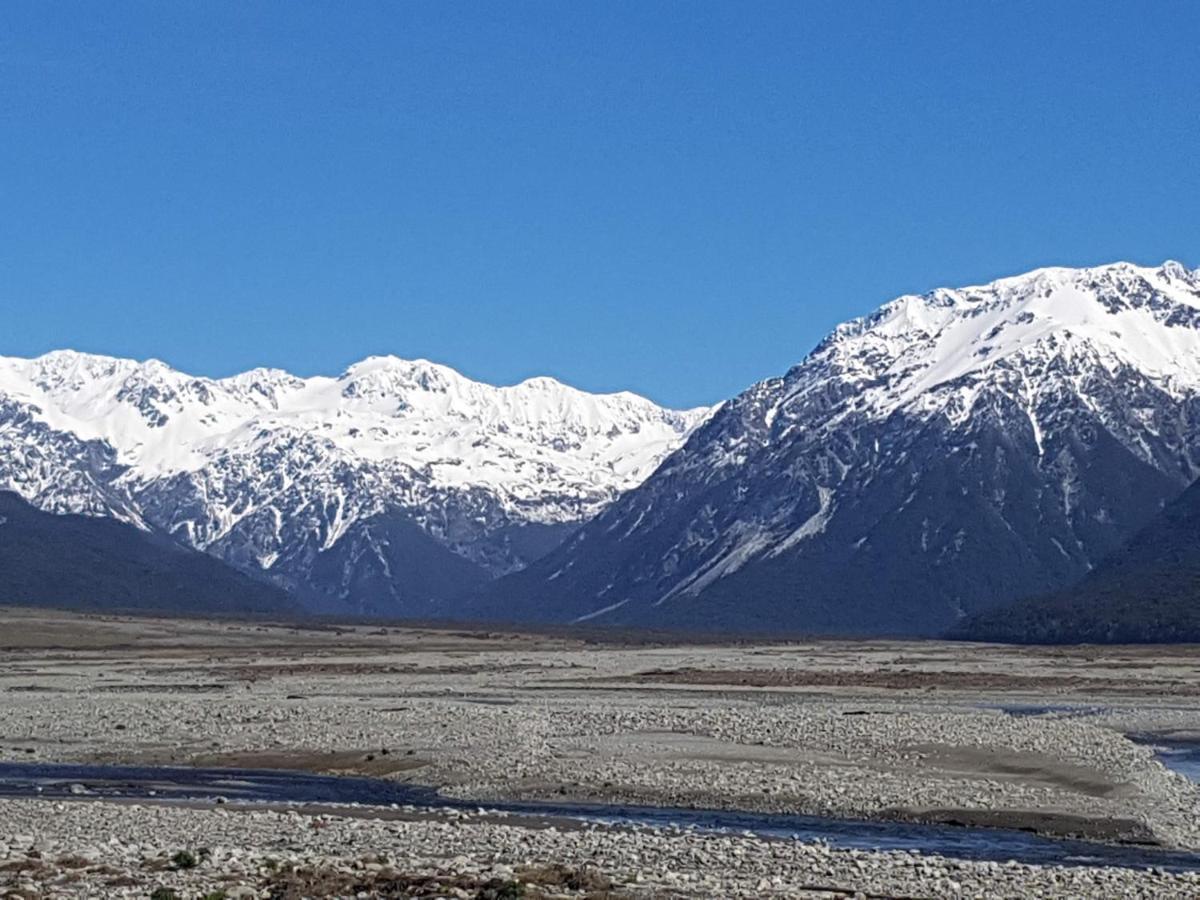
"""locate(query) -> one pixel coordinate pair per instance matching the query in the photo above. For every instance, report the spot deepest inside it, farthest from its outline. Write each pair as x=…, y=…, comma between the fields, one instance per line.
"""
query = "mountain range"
x=937, y=459
x=386, y=490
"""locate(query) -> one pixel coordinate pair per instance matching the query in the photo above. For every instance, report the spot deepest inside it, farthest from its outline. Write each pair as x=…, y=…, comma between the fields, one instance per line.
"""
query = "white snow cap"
x=427, y=415
x=1121, y=315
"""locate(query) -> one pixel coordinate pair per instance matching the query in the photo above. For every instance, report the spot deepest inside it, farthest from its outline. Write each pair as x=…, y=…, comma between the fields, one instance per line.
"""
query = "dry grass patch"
x=529, y=883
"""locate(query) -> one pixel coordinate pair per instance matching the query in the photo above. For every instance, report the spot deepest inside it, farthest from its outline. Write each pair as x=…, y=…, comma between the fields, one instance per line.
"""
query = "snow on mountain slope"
x=270, y=471
x=947, y=452
x=161, y=421
x=1122, y=314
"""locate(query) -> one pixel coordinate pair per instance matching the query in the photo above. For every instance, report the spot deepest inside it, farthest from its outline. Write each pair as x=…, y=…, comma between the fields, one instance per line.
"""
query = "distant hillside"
x=83, y=561
x=1147, y=591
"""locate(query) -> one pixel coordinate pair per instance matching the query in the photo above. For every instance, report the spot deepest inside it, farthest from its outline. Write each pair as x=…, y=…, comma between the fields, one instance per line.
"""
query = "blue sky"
x=674, y=198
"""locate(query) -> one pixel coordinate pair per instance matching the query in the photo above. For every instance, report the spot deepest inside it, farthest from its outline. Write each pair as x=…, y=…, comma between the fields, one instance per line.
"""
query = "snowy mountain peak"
x=541, y=383
x=383, y=407
x=419, y=373
x=1118, y=315
x=1174, y=269
x=267, y=468
x=949, y=451
x=261, y=376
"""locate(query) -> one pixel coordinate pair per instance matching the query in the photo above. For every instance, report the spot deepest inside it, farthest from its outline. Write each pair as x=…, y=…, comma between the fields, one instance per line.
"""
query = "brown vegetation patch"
x=122, y=881
x=903, y=679
x=258, y=671
x=375, y=763
x=29, y=866
x=529, y=883
x=72, y=861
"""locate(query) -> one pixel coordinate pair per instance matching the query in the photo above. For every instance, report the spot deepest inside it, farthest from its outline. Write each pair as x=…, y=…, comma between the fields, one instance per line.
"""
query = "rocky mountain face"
x=1148, y=590
x=949, y=452
x=382, y=491
x=102, y=564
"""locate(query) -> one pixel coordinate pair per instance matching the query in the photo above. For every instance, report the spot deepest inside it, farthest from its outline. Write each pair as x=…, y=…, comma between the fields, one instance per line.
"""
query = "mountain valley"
x=924, y=464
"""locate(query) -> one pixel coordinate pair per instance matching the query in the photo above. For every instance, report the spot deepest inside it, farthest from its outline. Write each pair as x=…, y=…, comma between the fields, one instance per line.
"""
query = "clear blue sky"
x=678, y=198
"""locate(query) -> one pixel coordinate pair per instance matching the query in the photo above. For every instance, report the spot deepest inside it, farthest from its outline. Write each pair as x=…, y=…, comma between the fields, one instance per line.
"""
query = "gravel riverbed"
x=850, y=729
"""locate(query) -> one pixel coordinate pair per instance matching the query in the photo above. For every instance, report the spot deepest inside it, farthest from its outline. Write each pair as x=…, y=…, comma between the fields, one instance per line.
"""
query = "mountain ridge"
x=939, y=455
x=269, y=470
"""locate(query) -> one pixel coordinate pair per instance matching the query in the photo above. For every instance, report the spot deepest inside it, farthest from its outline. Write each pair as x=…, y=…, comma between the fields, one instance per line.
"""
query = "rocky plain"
x=1057, y=743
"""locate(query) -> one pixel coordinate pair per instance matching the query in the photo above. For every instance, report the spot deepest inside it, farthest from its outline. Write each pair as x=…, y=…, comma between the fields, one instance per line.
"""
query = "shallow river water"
x=163, y=784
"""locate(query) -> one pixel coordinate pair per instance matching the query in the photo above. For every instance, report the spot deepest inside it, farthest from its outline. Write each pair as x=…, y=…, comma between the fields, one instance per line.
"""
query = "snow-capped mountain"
x=393, y=484
x=948, y=452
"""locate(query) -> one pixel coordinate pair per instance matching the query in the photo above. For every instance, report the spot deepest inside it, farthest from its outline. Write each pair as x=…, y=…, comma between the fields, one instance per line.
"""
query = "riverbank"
x=876, y=730
x=112, y=849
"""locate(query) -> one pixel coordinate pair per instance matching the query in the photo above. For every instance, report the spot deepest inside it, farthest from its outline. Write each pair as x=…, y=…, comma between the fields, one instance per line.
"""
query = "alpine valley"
x=950, y=452
x=385, y=491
